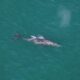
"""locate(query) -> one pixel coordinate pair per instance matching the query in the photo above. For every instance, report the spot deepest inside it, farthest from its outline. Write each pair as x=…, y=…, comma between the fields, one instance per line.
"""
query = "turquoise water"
x=21, y=60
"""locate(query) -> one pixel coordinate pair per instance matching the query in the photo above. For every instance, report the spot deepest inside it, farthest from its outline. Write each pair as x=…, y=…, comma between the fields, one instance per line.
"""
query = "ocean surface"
x=58, y=21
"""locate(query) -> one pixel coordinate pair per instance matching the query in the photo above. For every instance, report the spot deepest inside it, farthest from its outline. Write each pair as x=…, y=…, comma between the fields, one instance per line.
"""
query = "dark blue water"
x=56, y=20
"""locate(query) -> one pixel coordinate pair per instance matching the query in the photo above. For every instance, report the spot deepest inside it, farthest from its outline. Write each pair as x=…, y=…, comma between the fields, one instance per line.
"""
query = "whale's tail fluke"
x=18, y=36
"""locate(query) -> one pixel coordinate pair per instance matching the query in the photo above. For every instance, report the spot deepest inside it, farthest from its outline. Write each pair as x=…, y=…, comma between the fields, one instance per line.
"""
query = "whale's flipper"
x=33, y=37
x=40, y=37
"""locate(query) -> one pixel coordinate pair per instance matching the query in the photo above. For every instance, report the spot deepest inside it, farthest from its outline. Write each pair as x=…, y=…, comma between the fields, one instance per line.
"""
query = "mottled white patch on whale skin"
x=64, y=16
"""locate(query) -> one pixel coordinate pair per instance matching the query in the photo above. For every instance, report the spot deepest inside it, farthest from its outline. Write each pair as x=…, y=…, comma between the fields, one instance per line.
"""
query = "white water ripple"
x=64, y=16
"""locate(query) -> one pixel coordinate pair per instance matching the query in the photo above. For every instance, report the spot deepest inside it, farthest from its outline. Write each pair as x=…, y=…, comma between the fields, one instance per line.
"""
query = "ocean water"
x=57, y=20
